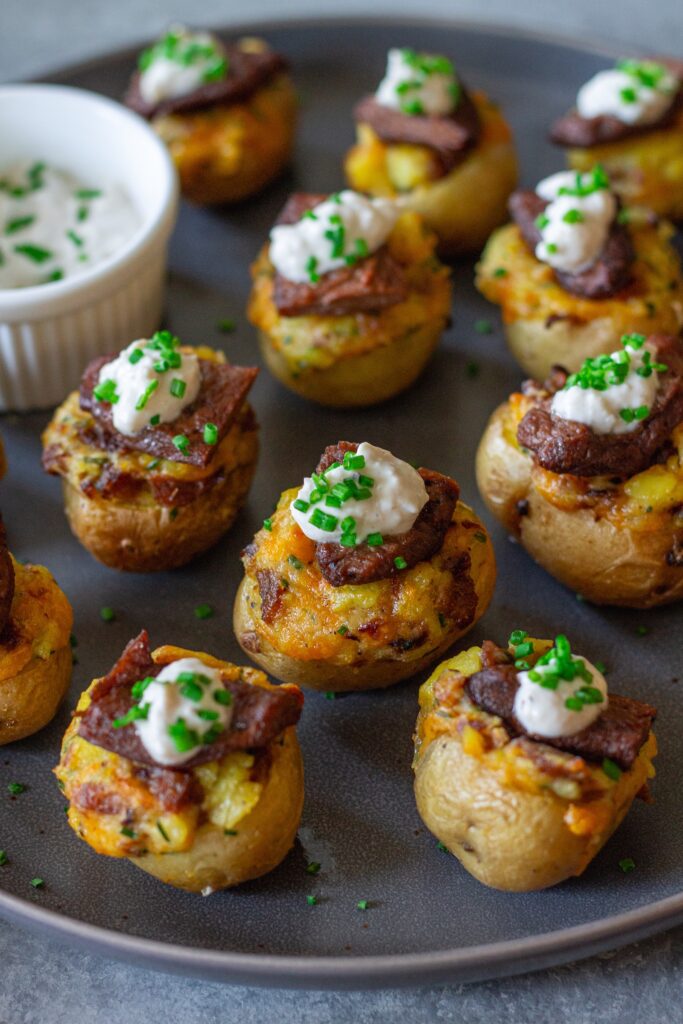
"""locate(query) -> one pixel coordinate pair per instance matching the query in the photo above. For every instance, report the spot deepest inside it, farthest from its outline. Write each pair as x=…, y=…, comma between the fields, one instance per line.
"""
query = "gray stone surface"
x=44, y=983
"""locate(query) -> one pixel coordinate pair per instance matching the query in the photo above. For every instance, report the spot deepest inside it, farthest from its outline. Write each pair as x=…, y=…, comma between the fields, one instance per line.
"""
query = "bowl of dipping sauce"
x=88, y=201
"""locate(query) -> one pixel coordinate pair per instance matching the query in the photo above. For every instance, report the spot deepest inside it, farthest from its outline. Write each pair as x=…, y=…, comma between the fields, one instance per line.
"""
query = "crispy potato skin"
x=136, y=533
x=358, y=360
x=646, y=171
x=35, y=662
x=609, y=548
x=510, y=824
x=303, y=643
x=243, y=828
x=463, y=206
x=544, y=324
x=226, y=153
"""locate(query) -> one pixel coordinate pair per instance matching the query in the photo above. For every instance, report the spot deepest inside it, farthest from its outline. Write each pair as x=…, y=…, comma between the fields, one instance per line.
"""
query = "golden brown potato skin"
x=465, y=205
x=317, y=656
x=139, y=537
x=621, y=559
x=545, y=325
x=517, y=837
x=226, y=153
x=35, y=654
x=364, y=358
x=263, y=839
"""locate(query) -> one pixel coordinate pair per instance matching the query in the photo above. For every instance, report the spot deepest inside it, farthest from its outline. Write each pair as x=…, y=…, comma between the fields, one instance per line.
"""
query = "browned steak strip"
x=247, y=72
x=618, y=733
x=371, y=284
x=259, y=715
x=272, y=590
x=6, y=581
x=223, y=391
x=565, y=446
x=364, y=564
x=584, y=132
x=608, y=275
x=450, y=136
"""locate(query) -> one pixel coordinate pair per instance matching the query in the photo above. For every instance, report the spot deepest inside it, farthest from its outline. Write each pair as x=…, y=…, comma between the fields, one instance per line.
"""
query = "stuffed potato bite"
x=35, y=652
x=226, y=113
x=201, y=792
x=521, y=806
x=355, y=328
x=601, y=512
x=633, y=284
x=449, y=158
x=156, y=453
x=630, y=120
x=368, y=609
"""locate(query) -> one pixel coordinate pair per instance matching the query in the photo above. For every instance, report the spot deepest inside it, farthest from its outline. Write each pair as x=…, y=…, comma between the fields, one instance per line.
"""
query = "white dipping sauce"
x=167, y=704
x=137, y=377
x=600, y=410
x=304, y=251
x=398, y=495
x=52, y=226
x=179, y=63
x=543, y=711
x=413, y=90
x=616, y=93
x=575, y=227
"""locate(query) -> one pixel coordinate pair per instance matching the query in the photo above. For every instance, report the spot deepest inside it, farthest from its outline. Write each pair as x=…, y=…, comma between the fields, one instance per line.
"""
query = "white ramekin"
x=50, y=332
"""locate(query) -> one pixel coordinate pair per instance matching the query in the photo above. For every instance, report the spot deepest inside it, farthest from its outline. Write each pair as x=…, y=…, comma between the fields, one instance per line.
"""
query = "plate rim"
x=464, y=964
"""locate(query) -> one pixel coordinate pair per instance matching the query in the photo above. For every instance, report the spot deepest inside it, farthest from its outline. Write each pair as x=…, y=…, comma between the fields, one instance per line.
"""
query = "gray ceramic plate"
x=427, y=918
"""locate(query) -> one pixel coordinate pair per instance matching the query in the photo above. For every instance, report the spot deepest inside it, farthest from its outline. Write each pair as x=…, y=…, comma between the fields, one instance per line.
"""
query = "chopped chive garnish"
x=135, y=356
x=313, y=867
x=627, y=864
x=154, y=421
x=87, y=193
x=3, y=858
x=105, y=391
x=294, y=561
x=15, y=788
x=268, y=524
x=145, y=396
x=330, y=695
x=73, y=237
x=343, y=630
x=230, y=832
x=107, y=614
x=400, y=562
x=35, y=253
x=311, y=900
x=203, y=611
x=442, y=846
x=611, y=770
x=18, y=224
x=472, y=369
x=37, y=883
x=362, y=905
x=210, y=433
x=483, y=326
x=163, y=831
x=500, y=272
x=178, y=387
x=182, y=443
x=223, y=697
x=226, y=326
x=128, y=832
x=374, y=540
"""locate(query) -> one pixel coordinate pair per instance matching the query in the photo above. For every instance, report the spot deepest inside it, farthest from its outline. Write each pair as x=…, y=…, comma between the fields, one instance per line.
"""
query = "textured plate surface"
x=427, y=918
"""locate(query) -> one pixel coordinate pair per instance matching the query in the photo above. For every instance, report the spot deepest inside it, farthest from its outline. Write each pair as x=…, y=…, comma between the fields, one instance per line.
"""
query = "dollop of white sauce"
x=166, y=705
x=134, y=379
x=543, y=712
x=398, y=495
x=600, y=410
x=616, y=93
x=305, y=250
x=568, y=244
x=168, y=76
x=434, y=92
x=53, y=226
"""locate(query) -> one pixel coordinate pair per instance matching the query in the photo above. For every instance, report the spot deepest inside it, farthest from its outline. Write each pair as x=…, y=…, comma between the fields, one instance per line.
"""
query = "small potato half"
x=239, y=825
x=463, y=206
x=35, y=654
x=621, y=546
x=363, y=636
x=546, y=325
x=513, y=823
x=358, y=359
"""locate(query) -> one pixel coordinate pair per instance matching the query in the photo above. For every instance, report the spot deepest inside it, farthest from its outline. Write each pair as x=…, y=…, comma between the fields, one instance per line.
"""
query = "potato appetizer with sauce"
x=349, y=298
x=587, y=472
x=524, y=766
x=186, y=765
x=156, y=452
x=575, y=270
x=364, y=575
x=425, y=142
x=630, y=119
x=227, y=113
x=35, y=652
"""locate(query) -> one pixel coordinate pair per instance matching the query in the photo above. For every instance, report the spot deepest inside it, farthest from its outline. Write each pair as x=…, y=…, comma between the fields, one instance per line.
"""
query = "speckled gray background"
x=46, y=983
